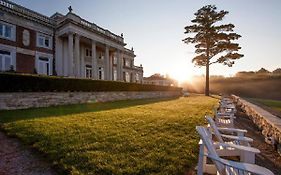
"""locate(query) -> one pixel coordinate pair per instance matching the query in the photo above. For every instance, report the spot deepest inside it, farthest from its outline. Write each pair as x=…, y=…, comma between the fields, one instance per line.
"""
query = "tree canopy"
x=212, y=40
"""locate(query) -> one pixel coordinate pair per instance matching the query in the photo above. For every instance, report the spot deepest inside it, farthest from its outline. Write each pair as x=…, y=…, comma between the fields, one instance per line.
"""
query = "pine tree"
x=212, y=40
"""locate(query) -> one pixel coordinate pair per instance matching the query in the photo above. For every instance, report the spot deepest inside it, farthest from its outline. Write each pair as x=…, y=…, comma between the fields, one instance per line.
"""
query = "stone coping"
x=24, y=100
x=269, y=123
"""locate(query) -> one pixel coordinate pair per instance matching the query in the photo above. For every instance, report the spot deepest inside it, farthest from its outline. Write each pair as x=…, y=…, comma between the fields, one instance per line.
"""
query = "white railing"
x=25, y=11
x=101, y=30
x=7, y=4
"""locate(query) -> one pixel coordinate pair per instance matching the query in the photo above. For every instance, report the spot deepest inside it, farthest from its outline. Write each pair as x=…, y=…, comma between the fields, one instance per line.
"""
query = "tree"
x=277, y=71
x=245, y=74
x=212, y=40
x=263, y=71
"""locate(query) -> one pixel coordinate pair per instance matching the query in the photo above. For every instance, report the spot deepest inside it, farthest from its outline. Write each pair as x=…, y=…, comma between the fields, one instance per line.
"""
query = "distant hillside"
x=260, y=86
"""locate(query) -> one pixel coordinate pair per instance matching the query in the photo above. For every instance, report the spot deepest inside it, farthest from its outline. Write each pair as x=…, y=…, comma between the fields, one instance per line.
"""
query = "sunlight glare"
x=183, y=72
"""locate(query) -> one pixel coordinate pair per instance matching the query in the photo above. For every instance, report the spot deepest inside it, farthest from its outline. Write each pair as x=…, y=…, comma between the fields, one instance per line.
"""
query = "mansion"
x=62, y=45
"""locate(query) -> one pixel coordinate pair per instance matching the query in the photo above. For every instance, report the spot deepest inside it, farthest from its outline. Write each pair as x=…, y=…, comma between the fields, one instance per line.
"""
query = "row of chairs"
x=224, y=149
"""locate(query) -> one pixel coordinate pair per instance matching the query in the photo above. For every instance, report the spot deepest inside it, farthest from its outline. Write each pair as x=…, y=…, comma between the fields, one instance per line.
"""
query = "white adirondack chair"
x=224, y=119
x=238, y=138
x=227, y=105
x=223, y=166
x=230, y=149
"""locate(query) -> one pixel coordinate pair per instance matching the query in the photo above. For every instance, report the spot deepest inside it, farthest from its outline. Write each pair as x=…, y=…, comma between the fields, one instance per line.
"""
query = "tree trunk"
x=207, y=91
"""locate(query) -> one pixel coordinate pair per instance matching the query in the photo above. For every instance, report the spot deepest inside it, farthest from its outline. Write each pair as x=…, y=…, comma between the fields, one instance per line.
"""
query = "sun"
x=182, y=71
x=181, y=75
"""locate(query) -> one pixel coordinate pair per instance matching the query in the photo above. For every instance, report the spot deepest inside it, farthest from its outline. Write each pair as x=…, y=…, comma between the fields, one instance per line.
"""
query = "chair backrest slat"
x=214, y=128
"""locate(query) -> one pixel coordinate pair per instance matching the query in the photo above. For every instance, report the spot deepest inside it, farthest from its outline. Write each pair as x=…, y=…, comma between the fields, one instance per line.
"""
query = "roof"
x=155, y=78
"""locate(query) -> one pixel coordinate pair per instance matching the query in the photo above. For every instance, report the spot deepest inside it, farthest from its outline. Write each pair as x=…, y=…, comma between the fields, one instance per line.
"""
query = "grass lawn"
x=126, y=137
x=274, y=104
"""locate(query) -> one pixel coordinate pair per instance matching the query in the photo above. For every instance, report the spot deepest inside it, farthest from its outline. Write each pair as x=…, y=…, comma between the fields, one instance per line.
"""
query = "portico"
x=85, y=53
x=78, y=53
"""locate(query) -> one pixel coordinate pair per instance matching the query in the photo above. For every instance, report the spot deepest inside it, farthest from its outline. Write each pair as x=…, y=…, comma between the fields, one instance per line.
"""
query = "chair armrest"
x=233, y=130
x=225, y=117
x=255, y=169
x=225, y=114
x=239, y=138
x=240, y=147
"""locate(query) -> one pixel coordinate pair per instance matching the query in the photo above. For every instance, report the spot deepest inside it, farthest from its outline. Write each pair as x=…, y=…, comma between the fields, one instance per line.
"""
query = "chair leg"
x=200, y=167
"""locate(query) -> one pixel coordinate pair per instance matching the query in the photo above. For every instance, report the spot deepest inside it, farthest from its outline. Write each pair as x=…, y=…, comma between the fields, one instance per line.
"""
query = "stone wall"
x=23, y=100
x=269, y=124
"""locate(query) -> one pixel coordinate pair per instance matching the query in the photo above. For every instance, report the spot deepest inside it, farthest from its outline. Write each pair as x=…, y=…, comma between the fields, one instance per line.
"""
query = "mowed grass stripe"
x=274, y=104
x=155, y=138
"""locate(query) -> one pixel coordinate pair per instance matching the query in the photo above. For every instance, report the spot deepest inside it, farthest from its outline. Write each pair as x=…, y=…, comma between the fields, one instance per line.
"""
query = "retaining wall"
x=23, y=100
x=269, y=124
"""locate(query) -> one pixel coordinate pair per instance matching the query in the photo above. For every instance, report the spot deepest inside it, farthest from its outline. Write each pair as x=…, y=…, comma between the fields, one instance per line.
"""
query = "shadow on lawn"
x=24, y=114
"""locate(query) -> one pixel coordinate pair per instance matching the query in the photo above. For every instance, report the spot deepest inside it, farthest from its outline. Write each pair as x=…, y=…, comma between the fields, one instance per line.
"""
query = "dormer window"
x=44, y=41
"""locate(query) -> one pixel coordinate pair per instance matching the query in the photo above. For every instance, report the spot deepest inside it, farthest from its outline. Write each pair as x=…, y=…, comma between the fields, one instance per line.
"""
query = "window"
x=114, y=60
x=101, y=55
x=137, y=77
x=124, y=76
x=127, y=64
x=44, y=63
x=101, y=73
x=88, y=53
x=88, y=71
x=5, y=60
x=44, y=66
x=124, y=62
x=44, y=41
x=114, y=74
x=7, y=31
x=127, y=77
x=131, y=77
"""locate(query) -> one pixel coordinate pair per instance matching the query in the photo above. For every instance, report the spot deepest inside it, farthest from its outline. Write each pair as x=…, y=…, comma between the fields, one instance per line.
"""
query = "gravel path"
x=16, y=159
x=268, y=157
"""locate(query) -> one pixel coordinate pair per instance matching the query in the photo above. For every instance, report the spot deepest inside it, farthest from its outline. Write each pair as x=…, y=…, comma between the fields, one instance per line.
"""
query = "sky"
x=155, y=29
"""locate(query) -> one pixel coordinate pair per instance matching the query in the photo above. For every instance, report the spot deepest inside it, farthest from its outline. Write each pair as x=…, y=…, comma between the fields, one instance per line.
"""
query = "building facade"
x=159, y=80
x=63, y=45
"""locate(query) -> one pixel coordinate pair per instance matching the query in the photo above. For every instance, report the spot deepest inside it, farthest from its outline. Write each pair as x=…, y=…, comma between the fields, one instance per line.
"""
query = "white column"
x=70, y=55
x=77, y=55
x=94, y=61
x=65, y=58
x=133, y=78
x=106, y=63
x=110, y=68
x=58, y=56
x=121, y=65
x=119, y=62
x=82, y=58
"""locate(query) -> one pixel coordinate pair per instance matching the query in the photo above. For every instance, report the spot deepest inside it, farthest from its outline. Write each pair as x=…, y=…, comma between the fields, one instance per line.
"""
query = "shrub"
x=34, y=83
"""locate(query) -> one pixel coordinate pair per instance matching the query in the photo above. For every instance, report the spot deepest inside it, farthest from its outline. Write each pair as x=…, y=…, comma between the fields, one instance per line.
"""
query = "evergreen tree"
x=263, y=71
x=277, y=71
x=212, y=40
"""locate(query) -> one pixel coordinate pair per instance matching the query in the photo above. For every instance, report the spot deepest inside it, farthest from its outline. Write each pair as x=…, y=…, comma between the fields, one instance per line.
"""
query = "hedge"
x=12, y=82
